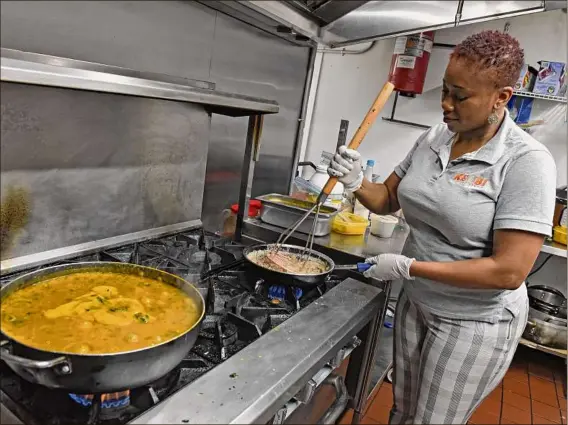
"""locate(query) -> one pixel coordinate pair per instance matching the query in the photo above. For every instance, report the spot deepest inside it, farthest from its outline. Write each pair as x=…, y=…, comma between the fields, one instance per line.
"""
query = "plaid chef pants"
x=444, y=368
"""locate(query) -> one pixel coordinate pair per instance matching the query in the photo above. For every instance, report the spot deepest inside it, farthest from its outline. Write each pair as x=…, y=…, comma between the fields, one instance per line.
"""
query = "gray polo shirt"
x=453, y=207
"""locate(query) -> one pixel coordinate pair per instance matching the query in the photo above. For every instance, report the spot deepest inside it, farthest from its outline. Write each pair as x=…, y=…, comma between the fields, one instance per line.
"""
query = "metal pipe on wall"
x=344, y=51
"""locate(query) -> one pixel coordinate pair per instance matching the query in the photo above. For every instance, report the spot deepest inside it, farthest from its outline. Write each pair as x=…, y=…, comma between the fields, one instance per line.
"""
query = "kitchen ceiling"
x=337, y=23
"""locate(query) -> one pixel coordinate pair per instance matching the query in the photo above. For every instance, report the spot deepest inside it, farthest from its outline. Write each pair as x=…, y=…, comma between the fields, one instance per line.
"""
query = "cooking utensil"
x=13, y=216
x=360, y=267
x=545, y=329
x=356, y=141
x=547, y=295
x=98, y=373
x=297, y=280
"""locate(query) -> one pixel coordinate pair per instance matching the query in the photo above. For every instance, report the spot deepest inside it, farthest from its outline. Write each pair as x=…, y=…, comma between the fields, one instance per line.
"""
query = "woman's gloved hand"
x=389, y=267
x=346, y=166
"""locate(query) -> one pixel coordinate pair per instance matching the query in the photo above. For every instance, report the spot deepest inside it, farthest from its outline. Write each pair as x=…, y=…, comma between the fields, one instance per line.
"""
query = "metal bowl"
x=546, y=330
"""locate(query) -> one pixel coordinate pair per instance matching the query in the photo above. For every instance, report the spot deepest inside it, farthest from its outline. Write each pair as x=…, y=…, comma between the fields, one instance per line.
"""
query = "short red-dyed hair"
x=496, y=53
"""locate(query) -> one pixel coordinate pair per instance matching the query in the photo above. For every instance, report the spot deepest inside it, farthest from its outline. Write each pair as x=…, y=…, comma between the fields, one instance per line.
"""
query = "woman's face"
x=469, y=97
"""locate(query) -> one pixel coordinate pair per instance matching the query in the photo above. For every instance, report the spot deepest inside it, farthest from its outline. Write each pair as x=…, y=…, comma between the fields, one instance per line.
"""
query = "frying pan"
x=298, y=280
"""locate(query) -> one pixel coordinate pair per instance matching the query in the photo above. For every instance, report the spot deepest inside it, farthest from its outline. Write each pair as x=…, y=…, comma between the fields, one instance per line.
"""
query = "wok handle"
x=61, y=365
x=361, y=132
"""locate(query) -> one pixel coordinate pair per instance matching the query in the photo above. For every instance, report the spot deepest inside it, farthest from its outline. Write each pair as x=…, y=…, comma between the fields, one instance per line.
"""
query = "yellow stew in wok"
x=97, y=312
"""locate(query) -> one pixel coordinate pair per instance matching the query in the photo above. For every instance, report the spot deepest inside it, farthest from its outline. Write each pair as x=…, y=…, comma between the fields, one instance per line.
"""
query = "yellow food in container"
x=559, y=234
x=349, y=224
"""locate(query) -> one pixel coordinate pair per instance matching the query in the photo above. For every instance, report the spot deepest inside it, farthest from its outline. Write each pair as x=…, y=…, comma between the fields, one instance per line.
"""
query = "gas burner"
x=103, y=406
x=278, y=293
x=124, y=254
x=200, y=257
x=240, y=308
x=219, y=329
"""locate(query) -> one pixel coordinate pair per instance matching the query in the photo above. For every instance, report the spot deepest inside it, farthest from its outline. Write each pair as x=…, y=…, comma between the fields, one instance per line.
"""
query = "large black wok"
x=98, y=373
x=275, y=277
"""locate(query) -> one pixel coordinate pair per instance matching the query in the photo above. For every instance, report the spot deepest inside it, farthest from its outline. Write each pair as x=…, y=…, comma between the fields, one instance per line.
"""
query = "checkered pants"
x=444, y=368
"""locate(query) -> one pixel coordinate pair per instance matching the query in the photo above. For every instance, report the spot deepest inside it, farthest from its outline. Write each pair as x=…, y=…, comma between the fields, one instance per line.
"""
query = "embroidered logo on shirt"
x=470, y=180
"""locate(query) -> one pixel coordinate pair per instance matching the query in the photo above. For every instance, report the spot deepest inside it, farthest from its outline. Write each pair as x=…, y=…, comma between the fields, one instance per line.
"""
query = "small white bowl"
x=383, y=225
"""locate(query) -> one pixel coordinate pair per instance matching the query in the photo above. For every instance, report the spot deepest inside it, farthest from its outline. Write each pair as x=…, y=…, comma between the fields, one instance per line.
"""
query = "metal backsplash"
x=248, y=61
x=98, y=165
x=179, y=39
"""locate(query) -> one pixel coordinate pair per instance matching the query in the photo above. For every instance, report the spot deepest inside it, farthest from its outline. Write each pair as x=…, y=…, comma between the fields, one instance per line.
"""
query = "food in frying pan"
x=97, y=312
x=288, y=262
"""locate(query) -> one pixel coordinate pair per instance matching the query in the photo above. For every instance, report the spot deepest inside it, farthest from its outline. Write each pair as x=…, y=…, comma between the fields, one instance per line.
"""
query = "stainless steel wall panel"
x=249, y=61
x=100, y=165
x=181, y=39
x=168, y=37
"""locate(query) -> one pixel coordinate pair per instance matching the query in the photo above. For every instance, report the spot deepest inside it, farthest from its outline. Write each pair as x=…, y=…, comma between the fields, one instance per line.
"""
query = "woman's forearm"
x=480, y=273
x=374, y=196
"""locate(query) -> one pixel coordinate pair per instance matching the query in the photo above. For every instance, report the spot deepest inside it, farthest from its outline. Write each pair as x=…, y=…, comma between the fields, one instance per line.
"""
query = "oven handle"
x=341, y=399
x=61, y=365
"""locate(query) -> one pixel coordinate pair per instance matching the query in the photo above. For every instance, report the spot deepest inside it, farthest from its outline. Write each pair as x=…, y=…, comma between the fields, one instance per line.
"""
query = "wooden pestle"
x=361, y=132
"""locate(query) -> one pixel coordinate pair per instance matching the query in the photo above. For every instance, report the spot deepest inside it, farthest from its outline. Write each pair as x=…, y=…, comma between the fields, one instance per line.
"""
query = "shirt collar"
x=489, y=152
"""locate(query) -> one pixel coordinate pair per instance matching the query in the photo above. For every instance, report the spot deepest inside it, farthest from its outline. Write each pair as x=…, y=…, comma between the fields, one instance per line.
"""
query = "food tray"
x=559, y=235
x=283, y=211
x=349, y=224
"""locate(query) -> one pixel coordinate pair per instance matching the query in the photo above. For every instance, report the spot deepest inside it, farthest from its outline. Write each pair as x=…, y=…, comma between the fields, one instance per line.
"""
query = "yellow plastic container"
x=559, y=234
x=349, y=224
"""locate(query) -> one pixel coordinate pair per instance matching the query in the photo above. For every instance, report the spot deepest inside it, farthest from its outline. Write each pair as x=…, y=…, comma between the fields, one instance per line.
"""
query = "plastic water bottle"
x=368, y=173
x=359, y=208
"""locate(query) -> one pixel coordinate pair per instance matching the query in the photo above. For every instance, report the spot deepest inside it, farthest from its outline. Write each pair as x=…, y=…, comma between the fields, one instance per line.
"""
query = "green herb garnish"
x=142, y=318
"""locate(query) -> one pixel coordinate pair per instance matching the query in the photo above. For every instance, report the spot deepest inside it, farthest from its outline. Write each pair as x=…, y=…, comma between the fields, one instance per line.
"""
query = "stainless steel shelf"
x=44, y=70
x=554, y=248
x=554, y=351
x=561, y=99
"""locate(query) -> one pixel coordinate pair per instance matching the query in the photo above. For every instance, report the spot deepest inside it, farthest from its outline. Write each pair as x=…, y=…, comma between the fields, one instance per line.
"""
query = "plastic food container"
x=383, y=225
x=349, y=224
x=559, y=234
x=308, y=191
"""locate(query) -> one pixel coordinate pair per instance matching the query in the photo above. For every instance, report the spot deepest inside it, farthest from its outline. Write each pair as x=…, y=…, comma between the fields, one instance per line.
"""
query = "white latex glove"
x=346, y=166
x=389, y=267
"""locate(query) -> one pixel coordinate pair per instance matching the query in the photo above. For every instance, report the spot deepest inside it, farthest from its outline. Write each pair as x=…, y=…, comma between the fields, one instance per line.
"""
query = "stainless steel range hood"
x=337, y=23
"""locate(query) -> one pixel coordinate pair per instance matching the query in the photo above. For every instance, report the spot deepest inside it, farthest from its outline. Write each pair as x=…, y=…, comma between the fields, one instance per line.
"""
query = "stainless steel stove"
x=246, y=319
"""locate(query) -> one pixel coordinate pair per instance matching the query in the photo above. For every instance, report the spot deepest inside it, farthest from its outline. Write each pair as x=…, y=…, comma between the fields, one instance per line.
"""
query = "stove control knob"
x=355, y=342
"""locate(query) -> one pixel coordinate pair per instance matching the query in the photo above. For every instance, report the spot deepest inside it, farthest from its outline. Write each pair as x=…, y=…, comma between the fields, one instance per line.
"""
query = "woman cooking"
x=478, y=195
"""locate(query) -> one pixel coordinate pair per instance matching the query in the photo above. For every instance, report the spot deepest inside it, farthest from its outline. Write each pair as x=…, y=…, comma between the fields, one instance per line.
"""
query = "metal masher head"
x=285, y=235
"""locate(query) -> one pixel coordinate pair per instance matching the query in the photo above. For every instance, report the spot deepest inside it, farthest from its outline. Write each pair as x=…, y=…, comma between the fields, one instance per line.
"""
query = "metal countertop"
x=270, y=371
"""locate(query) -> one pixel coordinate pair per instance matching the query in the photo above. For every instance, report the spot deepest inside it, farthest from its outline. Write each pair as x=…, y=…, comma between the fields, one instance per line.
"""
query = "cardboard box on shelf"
x=526, y=79
x=550, y=78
